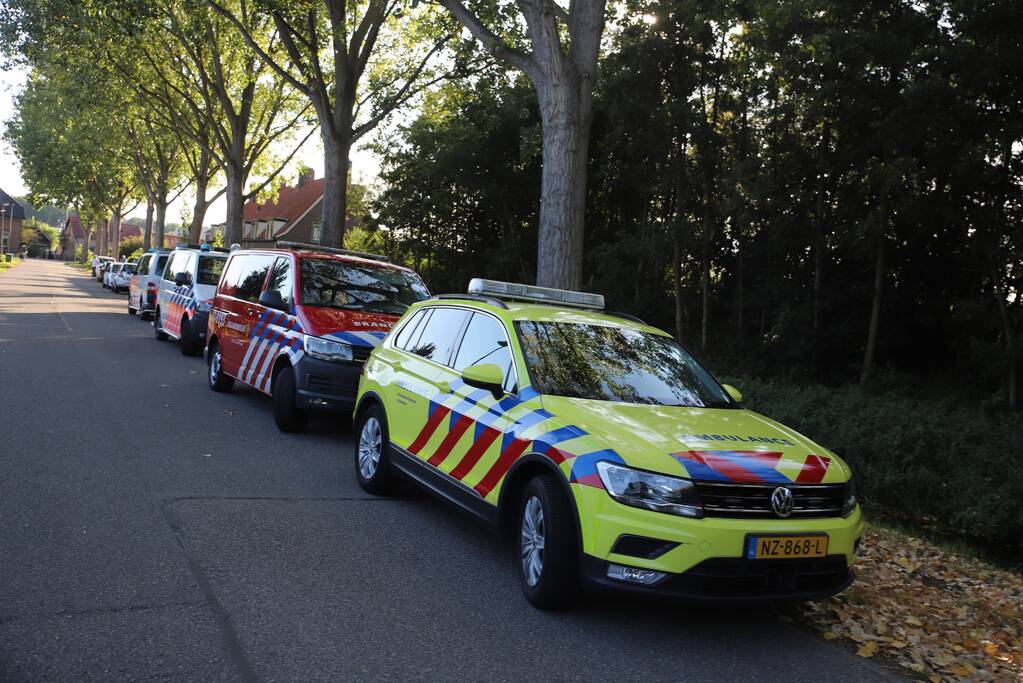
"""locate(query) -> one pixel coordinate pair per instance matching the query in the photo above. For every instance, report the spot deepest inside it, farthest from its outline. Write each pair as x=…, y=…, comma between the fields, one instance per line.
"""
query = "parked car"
x=120, y=279
x=184, y=293
x=297, y=323
x=104, y=265
x=605, y=449
x=110, y=271
x=144, y=283
x=97, y=262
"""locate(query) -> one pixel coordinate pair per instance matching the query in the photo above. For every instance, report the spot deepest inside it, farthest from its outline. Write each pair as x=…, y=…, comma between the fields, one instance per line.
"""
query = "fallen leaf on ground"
x=943, y=616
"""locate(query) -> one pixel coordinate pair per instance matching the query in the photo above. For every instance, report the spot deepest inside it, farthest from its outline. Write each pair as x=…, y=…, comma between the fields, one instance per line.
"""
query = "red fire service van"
x=298, y=321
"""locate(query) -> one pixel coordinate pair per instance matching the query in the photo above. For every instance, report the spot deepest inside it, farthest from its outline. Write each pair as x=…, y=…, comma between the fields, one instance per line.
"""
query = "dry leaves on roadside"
x=942, y=616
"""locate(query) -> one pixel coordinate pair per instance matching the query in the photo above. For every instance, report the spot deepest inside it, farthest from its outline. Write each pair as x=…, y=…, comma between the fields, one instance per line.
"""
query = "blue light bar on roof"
x=514, y=290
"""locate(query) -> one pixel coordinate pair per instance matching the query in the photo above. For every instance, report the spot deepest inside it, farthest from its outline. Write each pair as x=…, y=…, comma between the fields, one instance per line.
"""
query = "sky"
x=365, y=165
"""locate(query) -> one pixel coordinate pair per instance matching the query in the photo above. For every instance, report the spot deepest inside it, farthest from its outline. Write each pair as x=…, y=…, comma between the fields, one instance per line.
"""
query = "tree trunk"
x=115, y=232
x=739, y=292
x=705, y=280
x=336, y=149
x=677, y=261
x=161, y=221
x=86, y=234
x=565, y=109
x=875, y=308
x=198, y=209
x=1009, y=334
x=147, y=234
x=235, y=206
x=818, y=248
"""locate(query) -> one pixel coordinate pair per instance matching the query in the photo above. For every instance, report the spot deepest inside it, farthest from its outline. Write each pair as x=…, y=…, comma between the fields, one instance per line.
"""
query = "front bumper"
x=326, y=386
x=704, y=558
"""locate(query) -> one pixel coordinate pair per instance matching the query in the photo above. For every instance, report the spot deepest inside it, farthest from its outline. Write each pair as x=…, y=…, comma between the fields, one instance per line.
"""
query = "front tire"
x=157, y=330
x=286, y=413
x=189, y=340
x=372, y=457
x=218, y=379
x=547, y=553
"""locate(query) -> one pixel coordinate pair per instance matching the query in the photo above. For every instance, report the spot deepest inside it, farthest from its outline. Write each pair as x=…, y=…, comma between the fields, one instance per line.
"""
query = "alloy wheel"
x=370, y=443
x=533, y=534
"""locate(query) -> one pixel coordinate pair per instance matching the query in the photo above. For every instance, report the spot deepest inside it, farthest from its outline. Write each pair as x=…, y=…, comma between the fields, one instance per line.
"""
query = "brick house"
x=294, y=216
x=12, y=214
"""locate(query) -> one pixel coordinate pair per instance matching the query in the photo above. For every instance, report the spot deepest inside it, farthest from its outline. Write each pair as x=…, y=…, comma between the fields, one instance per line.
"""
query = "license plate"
x=777, y=547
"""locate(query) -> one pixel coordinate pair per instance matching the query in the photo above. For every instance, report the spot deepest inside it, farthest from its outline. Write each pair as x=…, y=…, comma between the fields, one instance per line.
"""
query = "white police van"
x=184, y=294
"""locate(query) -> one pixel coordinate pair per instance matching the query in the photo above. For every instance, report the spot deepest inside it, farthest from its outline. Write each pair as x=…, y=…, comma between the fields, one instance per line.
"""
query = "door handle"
x=250, y=311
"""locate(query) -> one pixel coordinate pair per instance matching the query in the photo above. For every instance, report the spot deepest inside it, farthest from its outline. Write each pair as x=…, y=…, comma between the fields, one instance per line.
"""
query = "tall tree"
x=561, y=61
x=328, y=50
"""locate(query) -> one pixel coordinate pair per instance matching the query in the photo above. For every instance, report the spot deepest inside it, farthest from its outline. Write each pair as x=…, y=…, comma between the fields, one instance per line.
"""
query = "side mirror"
x=180, y=279
x=485, y=376
x=272, y=299
x=733, y=392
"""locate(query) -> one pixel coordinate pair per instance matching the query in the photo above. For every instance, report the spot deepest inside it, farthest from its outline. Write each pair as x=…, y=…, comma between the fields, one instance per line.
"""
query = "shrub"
x=917, y=459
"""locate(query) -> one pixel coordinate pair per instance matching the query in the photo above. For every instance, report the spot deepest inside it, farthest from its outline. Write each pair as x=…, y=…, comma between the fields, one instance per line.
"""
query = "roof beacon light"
x=513, y=290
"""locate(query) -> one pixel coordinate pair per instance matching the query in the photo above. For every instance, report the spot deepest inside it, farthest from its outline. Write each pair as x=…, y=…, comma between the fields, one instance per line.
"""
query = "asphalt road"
x=152, y=529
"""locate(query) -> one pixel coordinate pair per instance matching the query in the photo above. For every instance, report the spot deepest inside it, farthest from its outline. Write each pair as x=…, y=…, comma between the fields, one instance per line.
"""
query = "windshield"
x=614, y=364
x=210, y=268
x=359, y=287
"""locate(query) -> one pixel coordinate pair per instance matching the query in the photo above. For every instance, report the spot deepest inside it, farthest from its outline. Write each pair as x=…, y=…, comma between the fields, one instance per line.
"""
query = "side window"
x=168, y=270
x=250, y=283
x=232, y=276
x=485, y=341
x=187, y=267
x=144, y=264
x=439, y=334
x=161, y=263
x=281, y=281
x=401, y=341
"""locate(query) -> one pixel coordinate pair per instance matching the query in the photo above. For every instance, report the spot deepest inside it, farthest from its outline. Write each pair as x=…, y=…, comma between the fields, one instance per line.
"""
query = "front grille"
x=737, y=577
x=319, y=384
x=361, y=353
x=754, y=500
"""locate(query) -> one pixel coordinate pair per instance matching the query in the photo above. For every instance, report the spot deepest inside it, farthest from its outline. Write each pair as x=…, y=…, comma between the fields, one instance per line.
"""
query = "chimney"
x=305, y=175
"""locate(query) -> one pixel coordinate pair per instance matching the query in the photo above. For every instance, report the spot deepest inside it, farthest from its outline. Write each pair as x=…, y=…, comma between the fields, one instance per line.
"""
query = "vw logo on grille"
x=782, y=501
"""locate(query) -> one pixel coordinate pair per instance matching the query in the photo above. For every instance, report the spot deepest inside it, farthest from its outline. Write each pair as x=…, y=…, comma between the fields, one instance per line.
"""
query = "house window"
x=317, y=231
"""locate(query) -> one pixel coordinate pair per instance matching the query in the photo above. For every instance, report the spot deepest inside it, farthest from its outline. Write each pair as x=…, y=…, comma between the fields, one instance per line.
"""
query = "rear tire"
x=286, y=413
x=372, y=452
x=546, y=541
x=189, y=340
x=218, y=379
x=157, y=330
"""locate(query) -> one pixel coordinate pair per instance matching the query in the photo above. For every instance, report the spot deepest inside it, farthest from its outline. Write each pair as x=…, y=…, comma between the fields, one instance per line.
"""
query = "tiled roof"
x=75, y=224
x=291, y=203
x=18, y=211
x=130, y=230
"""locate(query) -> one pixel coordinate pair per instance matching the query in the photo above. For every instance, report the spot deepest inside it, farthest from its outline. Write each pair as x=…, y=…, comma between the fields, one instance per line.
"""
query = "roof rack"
x=473, y=297
x=330, y=250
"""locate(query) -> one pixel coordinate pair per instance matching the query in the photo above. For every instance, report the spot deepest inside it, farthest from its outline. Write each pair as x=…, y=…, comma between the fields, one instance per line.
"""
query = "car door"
x=477, y=417
x=250, y=349
x=418, y=415
x=276, y=329
x=135, y=287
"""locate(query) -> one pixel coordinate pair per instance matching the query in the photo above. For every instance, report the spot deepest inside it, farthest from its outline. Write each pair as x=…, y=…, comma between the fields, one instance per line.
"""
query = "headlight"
x=650, y=491
x=849, y=504
x=324, y=349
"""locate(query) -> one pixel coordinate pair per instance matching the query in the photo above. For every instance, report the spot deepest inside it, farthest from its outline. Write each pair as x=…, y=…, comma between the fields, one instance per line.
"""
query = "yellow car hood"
x=710, y=444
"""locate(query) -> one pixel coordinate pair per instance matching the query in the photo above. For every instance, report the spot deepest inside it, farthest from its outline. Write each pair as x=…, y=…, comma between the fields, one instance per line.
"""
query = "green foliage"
x=129, y=246
x=929, y=461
